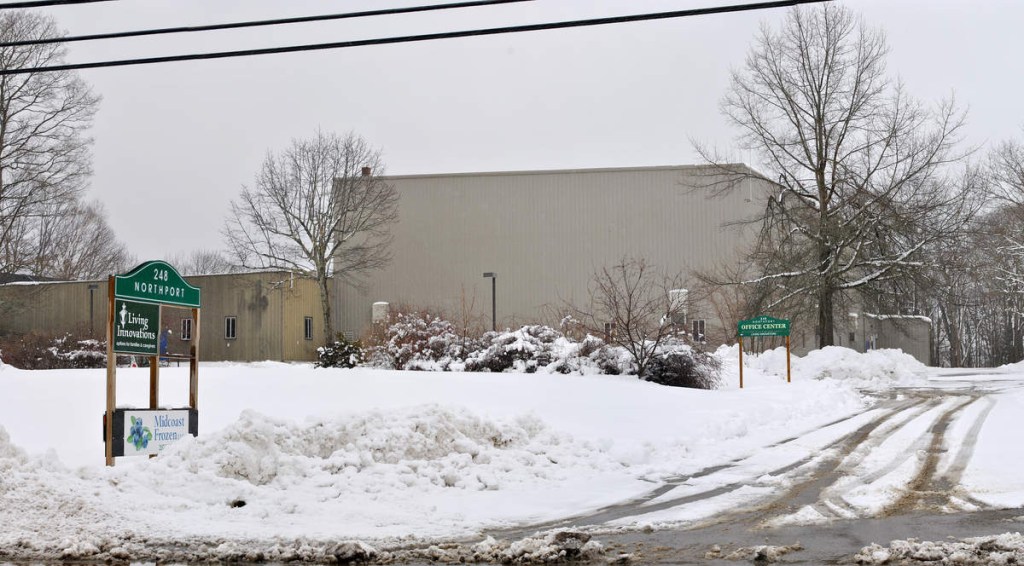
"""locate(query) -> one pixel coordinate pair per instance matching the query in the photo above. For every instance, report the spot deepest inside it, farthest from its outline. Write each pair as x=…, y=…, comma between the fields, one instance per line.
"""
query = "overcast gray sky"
x=176, y=142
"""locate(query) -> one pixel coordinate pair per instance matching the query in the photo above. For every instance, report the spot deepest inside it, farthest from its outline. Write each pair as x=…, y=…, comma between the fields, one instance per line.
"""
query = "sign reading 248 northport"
x=156, y=282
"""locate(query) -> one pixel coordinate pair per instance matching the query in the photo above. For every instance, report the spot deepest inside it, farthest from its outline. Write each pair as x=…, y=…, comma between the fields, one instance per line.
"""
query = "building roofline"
x=104, y=280
x=565, y=171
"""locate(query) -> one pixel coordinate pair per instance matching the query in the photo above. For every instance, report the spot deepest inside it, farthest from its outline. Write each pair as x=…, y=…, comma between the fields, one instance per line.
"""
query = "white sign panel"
x=150, y=431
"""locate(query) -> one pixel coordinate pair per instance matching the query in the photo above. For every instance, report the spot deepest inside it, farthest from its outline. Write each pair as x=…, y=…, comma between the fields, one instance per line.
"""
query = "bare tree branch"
x=630, y=305
x=44, y=153
x=863, y=171
x=317, y=208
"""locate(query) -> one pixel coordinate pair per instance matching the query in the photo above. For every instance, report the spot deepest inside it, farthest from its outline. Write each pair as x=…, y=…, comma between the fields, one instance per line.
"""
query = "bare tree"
x=860, y=166
x=1006, y=166
x=317, y=208
x=44, y=154
x=74, y=241
x=202, y=262
x=631, y=305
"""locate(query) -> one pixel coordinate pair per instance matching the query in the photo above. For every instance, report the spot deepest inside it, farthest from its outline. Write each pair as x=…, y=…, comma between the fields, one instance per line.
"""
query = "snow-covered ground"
x=290, y=458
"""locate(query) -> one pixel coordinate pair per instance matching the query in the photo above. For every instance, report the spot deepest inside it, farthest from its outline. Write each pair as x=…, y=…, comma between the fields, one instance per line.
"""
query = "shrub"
x=43, y=351
x=682, y=366
x=526, y=349
x=341, y=353
x=418, y=340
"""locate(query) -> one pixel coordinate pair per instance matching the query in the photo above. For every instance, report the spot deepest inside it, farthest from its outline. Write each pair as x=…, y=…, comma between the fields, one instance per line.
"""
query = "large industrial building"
x=541, y=236
x=526, y=242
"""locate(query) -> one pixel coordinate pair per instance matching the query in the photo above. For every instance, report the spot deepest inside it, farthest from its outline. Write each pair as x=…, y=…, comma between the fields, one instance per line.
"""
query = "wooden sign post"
x=764, y=326
x=135, y=300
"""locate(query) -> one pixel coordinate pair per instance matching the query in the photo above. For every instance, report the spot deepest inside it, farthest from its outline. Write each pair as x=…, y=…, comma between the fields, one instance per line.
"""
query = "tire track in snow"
x=812, y=493
x=931, y=490
x=646, y=504
x=925, y=490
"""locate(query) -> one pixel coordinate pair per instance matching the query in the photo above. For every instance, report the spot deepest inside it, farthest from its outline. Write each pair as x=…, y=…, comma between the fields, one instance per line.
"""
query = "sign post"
x=764, y=326
x=134, y=306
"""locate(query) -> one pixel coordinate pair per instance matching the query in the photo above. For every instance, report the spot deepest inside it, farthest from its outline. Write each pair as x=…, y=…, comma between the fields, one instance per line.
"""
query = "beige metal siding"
x=53, y=308
x=270, y=309
x=545, y=234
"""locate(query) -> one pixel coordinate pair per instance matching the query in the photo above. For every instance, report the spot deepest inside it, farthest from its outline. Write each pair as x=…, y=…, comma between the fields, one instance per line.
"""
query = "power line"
x=41, y=3
x=258, y=23
x=417, y=38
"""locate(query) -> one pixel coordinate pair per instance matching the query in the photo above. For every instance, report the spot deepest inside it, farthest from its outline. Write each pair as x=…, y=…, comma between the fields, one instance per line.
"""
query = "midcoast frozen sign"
x=133, y=327
x=141, y=432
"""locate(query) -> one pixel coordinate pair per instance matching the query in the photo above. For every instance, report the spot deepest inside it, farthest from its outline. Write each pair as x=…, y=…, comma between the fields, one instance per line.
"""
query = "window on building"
x=229, y=327
x=186, y=329
x=308, y=327
x=697, y=330
x=609, y=331
x=853, y=339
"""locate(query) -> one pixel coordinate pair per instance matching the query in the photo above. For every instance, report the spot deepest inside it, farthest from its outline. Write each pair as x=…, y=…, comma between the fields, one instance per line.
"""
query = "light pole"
x=494, y=299
x=92, y=327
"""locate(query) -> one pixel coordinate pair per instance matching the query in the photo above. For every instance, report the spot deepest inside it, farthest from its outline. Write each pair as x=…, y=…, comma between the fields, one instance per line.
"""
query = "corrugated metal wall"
x=544, y=234
x=269, y=310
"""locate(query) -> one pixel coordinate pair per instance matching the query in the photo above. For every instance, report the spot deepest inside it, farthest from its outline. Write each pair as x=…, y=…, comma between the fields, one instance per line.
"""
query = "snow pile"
x=1006, y=548
x=871, y=370
x=876, y=369
x=266, y=489
x=762, y=554
x=46, y=510
x=11, y=457
x=553, y=547
x=386, y=451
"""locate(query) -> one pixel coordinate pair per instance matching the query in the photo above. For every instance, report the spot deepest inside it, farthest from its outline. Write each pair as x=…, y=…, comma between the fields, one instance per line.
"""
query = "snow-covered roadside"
x=1006, y=548
x=289, y=455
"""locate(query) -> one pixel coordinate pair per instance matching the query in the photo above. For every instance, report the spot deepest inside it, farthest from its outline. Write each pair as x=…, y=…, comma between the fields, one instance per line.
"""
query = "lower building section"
x=243, y=317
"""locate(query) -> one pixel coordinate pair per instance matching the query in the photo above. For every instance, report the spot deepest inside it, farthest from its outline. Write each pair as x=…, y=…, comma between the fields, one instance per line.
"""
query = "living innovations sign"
x=156, y=282
x=764, y=326
x=143, y=432
x=136, y=328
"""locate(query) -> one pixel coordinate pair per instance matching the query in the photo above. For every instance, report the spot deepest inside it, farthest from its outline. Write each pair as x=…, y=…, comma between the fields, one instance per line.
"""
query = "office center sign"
x=763, y=326
x=156, y=282
x=136, y=328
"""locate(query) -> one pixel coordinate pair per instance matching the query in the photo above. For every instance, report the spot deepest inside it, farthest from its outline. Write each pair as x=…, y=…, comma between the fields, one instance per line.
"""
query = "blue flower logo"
x=139, y=435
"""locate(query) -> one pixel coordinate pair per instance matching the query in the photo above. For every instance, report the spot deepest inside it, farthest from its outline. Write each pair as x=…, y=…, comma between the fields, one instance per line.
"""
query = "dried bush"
x=44, y=351
x=681, y=366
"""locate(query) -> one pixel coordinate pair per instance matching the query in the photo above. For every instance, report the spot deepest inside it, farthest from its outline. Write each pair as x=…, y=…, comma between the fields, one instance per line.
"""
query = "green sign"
x=156, y=282
x=136, y=327
x=764, y=326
